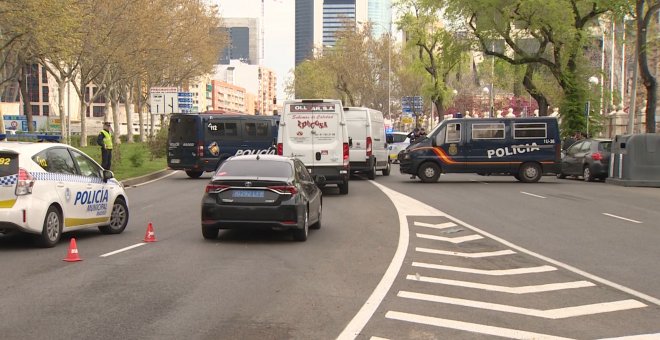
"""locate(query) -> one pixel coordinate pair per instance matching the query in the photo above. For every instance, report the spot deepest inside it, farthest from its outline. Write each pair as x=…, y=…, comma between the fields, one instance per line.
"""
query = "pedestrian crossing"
x=455, y=282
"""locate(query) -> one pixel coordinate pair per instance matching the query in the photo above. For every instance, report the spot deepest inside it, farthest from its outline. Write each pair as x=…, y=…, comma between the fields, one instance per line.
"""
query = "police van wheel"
x=429, y=172
x=530, y=173
x=386, y=171
x=118, y=218
x=194, y=174
x=52, y=231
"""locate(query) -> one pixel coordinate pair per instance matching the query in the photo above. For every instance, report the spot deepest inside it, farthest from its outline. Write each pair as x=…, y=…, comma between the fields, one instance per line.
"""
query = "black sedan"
x=589, y=158
x=262, y=191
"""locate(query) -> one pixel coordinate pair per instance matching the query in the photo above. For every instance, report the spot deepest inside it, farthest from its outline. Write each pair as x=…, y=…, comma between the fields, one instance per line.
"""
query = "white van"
x=366, y=141
x=314, y=131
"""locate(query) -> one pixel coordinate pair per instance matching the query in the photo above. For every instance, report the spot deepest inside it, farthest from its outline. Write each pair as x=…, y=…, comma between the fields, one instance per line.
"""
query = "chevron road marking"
x=559, y=313
x=493, y=272
x=470, y=327
x=454, y=240
x=504, y=289
x=436, y=226
x=470, y=255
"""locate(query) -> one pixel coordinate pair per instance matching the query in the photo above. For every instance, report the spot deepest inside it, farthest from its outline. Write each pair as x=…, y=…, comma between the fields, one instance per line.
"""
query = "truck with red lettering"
x=525, y=148
x=314, y=131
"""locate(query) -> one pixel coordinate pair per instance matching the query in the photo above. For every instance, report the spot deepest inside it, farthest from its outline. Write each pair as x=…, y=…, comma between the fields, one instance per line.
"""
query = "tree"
x=644, y=12
x=438, y=50
x=560, y=29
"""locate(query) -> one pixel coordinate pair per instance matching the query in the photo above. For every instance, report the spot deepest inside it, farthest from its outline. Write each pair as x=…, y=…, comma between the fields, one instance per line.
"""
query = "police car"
x=48, y=189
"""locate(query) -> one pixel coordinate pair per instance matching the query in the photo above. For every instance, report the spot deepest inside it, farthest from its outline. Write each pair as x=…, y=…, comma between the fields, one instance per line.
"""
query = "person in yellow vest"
x=105, y=141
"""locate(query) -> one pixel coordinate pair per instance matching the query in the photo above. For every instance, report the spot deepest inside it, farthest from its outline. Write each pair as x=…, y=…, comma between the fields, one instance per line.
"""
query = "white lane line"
x=454, y=240
x=469, y=255
x=153, y=180
x=436, y=226
x=122, y=250
x=470, y=327
x=527, y=193
x=492, y=272
x=621, y=218
x=650, y=336
x=559, y=313
x=504, y=289
x=378, y=338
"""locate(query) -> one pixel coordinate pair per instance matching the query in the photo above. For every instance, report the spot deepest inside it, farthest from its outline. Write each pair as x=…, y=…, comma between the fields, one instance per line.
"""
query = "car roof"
x=275, y=158
x=29, y=147
x=397, y=133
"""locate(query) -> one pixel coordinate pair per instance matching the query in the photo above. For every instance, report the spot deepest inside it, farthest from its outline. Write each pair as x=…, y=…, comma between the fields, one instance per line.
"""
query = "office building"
x=244, y=43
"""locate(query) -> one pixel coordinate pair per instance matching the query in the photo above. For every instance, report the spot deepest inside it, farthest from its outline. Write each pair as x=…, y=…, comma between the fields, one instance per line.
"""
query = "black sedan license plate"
x=247, y=193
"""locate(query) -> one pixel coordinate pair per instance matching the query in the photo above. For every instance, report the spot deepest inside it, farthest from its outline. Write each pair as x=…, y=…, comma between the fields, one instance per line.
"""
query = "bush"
x=158, y=144
x=137, y=158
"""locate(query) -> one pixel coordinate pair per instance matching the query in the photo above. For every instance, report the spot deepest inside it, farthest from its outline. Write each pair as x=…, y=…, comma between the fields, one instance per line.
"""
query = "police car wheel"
x=52, y=231
x=118, y=218
x=300, y=235
x=530, y=173
x=429, y=172
x=194, y=174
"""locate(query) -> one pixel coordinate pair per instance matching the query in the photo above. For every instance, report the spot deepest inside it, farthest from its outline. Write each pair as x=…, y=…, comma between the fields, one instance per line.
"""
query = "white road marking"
x=122, y=250
x=470, y=327
x=504, y=289
x=469, y=255
x=559, y=313
x=378, y=338
x=527, y=193
x=621, y=218
x=653, y=336
x=436, y=226
x=153, y=180
x=492, y=272
x=454, y=240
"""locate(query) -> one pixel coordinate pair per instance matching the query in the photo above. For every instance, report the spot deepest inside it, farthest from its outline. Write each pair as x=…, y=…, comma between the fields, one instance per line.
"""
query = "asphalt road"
x=384, y=265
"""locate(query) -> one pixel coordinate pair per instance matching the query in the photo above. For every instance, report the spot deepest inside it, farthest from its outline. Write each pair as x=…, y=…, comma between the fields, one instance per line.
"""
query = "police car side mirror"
x=107, y=174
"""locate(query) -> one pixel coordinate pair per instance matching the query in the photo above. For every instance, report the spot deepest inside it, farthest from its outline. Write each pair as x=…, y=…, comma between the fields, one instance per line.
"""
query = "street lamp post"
x=489, y=93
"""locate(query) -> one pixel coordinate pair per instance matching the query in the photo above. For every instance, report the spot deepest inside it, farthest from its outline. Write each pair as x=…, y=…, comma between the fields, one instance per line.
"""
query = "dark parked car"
x=262, y=191
x=589, y=158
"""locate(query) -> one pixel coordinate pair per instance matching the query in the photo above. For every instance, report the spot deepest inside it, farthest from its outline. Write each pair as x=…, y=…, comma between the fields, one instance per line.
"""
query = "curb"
x=146, y=178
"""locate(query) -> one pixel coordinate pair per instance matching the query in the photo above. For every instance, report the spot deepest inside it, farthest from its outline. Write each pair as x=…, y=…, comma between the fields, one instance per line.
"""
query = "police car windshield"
x=255, y=168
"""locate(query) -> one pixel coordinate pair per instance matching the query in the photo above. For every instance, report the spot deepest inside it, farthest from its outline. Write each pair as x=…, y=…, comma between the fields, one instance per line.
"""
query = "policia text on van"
x=525, y=148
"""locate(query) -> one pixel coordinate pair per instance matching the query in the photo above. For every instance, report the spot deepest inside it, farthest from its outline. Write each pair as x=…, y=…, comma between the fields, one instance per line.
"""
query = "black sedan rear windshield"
x=255, y=168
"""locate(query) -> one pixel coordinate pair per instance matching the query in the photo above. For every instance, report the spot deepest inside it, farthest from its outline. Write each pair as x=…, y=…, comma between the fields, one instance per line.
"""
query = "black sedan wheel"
x=317, y=225
x=209, y=233
x=300, y=235
x=586, y=174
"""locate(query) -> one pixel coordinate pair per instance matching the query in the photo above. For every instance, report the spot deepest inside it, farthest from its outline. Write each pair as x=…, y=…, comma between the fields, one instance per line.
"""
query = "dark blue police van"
x=198, y=143
x=525, y=148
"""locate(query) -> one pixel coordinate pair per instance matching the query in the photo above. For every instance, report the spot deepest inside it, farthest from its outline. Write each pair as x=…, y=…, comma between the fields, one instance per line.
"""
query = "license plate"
x=175, y=161
x=247, y=193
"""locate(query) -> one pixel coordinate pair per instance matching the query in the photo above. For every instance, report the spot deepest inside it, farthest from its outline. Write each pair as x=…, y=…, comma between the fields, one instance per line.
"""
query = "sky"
x=279, y=32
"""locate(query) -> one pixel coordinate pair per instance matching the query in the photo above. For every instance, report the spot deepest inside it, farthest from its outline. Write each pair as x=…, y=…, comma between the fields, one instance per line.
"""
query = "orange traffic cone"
x=72, y=254
x=150, y=236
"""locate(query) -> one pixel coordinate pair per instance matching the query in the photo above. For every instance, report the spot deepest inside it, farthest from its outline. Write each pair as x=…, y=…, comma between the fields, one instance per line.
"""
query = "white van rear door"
x=314, y=133
x=358, y=130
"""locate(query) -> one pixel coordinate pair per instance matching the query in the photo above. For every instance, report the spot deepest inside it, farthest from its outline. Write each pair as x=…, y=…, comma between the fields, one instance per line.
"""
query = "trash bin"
x=635, y=160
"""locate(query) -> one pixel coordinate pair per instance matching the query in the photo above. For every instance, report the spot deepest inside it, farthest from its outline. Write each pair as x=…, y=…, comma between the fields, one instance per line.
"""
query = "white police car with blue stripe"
x=49, y=188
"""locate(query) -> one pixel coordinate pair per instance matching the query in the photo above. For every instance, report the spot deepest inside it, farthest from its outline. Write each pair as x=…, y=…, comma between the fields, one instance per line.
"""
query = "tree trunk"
x=648, y=79
x=27, y=108
x=83, y=122
x=129, y=115
x=115, y=121
x=143, y=136
x=533, y=91
x=61, y=85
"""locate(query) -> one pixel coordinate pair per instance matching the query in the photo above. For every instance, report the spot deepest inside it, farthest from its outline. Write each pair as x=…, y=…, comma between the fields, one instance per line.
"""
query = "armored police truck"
x=198, y=143
x=525, y=148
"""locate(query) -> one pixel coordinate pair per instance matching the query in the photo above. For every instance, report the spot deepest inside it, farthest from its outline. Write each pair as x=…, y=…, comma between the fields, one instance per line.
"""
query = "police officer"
x=105, y=141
